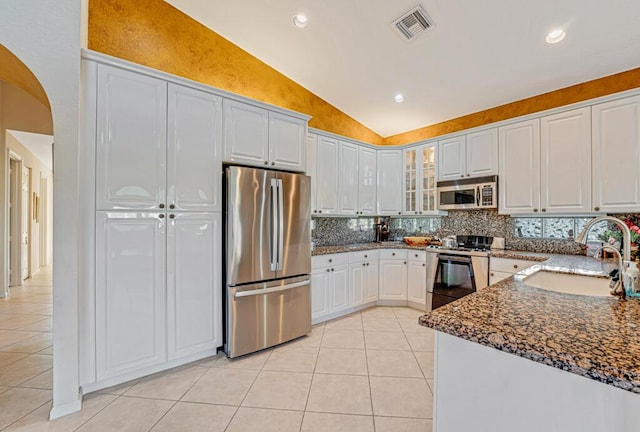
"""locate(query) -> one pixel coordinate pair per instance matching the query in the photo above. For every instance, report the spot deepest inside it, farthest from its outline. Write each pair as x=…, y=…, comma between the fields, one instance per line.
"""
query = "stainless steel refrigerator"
x=268, y=258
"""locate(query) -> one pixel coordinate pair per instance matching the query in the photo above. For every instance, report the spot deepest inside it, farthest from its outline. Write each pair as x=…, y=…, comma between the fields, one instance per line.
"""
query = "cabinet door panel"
x=194, y=165
x=482, y=153
x=417, y=282
x=451, y=158
x=348, y=178
x=393, y=280
x=246, y=133
x=130, y=292
x=390, y=189
x=367, y=170
x=131, y=140
x=565, y=165
x=519, y=179
x=327, y=173
x=616, y=156
x=371, y=281
x=287, y=142
x=357, y=278
x=427, y=175
x=321, y=290
x=411, y=184
x=194, y=279
x=312, y=141
x=340, y=287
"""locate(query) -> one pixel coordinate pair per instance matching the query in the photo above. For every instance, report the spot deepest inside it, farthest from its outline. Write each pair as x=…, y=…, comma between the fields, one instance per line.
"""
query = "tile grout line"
x=29, y=413
x=99, y=411
x=313, y=375
x=366, y=358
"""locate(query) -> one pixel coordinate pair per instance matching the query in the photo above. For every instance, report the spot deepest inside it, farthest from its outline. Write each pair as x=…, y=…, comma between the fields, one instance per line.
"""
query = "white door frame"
x=14, y=224
x=43, y=215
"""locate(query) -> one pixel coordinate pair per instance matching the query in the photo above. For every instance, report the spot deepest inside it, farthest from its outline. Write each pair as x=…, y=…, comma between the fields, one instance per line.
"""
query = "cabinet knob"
x=535, y=210
x=363, y=264
x=461, y=175
x=468, y=175
x=172, y=216
x=544, y=210
x=596, y=208
x=367, y=263
x=161, y=216
x=393, y=254
x=330, y=260
x=328, y=270
x=405, y=262
x=399, y=212
x=366, y=256
x=161, y=206
x=424, y=265
x=319, y=211
x=491, y=274
x=273, y=163
x=172, y=206
x=266, y=162
x=416, y=255
x=331, y=269
x=515, y=266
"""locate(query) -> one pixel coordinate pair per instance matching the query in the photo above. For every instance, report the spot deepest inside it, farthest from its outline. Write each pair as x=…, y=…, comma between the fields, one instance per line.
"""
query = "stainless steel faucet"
x=617, y=288
x=623, y=261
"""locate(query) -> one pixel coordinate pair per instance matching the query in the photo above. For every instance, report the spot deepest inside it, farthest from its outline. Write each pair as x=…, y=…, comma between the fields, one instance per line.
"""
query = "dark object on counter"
x=382, y=232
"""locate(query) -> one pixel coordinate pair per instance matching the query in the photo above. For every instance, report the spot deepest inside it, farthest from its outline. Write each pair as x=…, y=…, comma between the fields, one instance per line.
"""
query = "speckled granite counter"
x=595, y=337
x=324, y=250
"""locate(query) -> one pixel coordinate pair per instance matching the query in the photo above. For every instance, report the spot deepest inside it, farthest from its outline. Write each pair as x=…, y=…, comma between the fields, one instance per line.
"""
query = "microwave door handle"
x=478, y=203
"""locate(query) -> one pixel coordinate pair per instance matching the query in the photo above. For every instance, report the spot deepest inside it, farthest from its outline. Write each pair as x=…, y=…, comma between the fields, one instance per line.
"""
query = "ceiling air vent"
x=412, y=23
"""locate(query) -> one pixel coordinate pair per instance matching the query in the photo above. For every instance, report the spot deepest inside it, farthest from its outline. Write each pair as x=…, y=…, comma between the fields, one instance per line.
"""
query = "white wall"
x=46, y=36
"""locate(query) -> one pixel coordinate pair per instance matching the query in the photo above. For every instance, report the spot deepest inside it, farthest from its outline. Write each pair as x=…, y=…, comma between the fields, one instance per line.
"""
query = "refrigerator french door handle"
x=280, y=225
x=273, y=255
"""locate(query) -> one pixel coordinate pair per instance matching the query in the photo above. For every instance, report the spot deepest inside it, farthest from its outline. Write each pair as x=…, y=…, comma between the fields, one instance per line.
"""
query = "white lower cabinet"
x=417, y=281
x=194, y=287
x=339, y=285
x=158, y=289
x=371, y=281
x=329, y=290
x=393, y=274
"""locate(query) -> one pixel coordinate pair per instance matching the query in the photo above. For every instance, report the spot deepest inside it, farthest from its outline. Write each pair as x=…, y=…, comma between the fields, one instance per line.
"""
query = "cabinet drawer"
x=393, y=254
x=362, y=256
x=509, y=265
x=320, y=261
x=417, y=255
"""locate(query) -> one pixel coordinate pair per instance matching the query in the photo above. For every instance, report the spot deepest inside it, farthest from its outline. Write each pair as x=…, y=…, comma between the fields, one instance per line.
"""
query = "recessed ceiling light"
x=555, y=36
x=399, y=98
x=300, y=20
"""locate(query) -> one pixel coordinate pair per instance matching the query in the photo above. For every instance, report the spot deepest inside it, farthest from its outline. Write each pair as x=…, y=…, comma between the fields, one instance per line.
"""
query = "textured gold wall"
x=576, y=93
x=155, y=34
x=13, y=71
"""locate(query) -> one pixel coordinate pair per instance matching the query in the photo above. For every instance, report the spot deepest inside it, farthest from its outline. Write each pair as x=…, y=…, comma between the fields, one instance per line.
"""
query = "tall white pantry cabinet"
x=158, y=293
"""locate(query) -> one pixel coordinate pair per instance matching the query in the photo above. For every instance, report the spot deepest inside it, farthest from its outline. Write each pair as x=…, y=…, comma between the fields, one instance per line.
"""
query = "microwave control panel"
x=487, y=196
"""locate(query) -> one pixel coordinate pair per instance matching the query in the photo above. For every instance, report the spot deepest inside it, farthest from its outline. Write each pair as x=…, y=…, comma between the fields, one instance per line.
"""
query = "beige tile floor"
x=371, y=372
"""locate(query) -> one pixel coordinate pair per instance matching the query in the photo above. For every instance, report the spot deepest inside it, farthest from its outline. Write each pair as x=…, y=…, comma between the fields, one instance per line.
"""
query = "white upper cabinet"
x=616, y=156
x=389, y=195
x=287, y=142
x=194, y=150
x=131, y=123
x=194, y=286
x=565, y=162
x=419, y=170
x=246, y=133
x=471, y=155
x=482, y=153
x=312, y=142
x=348, y=178
x=367, y=171
x=452, y=159
x=327, y=170
x=258, y=137
x=519, y=178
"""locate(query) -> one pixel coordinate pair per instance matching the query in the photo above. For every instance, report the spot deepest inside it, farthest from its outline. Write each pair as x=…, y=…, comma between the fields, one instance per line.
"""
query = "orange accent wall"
x=568, y=95
x=155, y=34
x=13, y=71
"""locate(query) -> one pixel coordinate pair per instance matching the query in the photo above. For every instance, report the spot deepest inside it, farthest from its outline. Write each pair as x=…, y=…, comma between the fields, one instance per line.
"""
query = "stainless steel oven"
x=468, y=194
x=457, y=272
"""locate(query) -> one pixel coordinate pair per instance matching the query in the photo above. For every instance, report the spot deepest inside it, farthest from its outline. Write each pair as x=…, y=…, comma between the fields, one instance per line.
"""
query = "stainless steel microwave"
x=468, y=194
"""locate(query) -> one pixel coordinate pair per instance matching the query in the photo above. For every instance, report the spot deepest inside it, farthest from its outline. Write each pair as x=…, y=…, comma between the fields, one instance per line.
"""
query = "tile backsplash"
x=338, y=231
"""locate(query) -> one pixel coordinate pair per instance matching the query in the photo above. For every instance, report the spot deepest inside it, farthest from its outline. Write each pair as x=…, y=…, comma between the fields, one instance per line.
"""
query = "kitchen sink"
x=569, y=283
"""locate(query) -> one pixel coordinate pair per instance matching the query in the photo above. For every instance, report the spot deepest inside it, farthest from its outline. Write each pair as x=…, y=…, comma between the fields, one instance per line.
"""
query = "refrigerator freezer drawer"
x=264, y=315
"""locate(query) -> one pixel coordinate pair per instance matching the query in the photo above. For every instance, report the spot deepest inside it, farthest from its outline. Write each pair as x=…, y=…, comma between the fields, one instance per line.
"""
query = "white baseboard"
x=65, y=409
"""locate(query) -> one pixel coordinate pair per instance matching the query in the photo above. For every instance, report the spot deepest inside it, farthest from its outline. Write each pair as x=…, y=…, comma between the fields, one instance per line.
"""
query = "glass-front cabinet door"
x=420, y=180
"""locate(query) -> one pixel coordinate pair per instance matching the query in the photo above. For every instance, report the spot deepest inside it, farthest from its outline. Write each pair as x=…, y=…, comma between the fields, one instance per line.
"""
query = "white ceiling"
x=40, y=145
x=479, y=55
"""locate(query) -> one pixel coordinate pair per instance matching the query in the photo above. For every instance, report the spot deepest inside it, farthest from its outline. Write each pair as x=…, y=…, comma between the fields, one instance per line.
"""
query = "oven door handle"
x=455, y=259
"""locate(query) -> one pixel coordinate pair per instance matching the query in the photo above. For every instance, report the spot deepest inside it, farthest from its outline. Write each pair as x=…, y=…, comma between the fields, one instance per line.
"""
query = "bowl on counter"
x=418, y=241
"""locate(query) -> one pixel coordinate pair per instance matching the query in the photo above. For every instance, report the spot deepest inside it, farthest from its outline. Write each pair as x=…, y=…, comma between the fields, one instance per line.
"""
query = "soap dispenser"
x=632, y=280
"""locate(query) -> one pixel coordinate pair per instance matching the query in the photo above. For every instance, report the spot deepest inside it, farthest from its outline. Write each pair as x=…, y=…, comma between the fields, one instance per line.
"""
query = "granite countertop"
x=595, y=337
x=324, y=250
